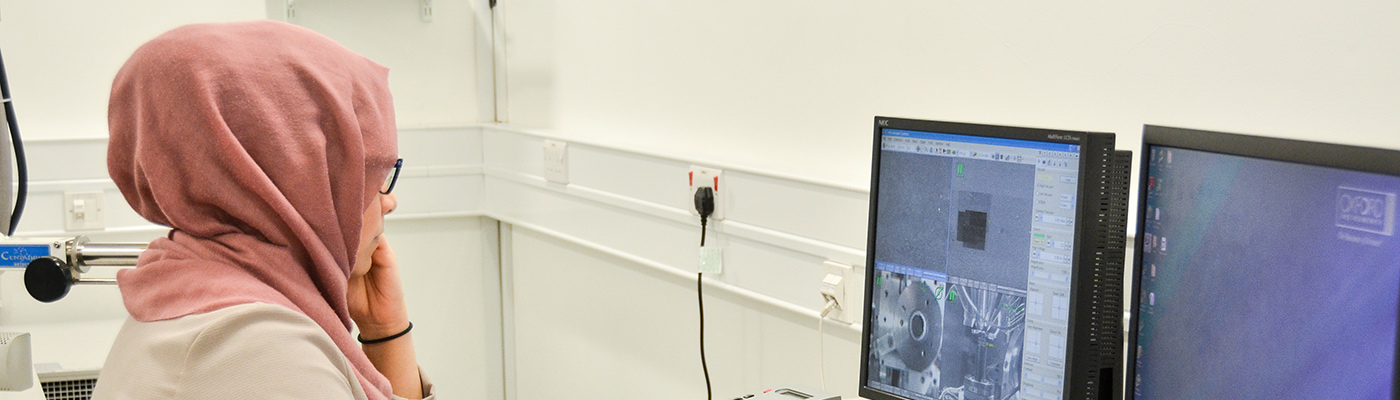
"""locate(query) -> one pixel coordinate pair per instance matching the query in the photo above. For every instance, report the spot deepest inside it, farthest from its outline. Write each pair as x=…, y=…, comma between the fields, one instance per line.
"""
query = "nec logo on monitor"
x=1366, y=210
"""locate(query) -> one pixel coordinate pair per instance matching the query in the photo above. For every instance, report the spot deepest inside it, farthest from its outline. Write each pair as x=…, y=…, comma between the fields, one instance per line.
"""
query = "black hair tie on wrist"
x=385, y=339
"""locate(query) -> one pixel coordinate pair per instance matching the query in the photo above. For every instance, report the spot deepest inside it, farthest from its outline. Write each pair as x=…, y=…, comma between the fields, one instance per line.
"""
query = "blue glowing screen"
x=1263, y=279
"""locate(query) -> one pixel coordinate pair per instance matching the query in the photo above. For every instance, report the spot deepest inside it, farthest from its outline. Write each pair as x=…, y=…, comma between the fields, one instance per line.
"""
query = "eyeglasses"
x=392, y=179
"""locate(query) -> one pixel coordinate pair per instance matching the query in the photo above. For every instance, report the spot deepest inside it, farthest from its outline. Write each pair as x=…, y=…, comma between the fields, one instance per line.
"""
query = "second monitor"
x=1267, y=269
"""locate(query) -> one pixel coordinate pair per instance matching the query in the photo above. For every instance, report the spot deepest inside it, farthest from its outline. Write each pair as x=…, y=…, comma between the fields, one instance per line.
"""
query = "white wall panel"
x=437, y=194
x=665, y=241
x=824, y=213
x=432, y=64
x=440, y=147
x=509, y=151
x=622, y=225
x=63, y=160
x=447, y=291
x=784, y=274
x=791, y=355
x=629, y=174
x=588, y=325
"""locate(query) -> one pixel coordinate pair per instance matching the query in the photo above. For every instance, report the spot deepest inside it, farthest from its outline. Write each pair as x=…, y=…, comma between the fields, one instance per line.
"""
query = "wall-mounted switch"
x=84, y=211
x=556, y=161
x=289, y=11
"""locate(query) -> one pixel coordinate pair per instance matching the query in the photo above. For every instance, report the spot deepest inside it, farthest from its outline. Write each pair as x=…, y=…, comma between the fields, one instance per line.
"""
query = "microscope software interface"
x=974, y=251
x=1263, y=279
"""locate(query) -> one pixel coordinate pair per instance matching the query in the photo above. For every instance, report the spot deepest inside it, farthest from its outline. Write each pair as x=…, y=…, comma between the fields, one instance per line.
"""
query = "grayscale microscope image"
x=984, y=331
x=938, y=341
x=990, y=216
x=908, y=333
x=956, y=332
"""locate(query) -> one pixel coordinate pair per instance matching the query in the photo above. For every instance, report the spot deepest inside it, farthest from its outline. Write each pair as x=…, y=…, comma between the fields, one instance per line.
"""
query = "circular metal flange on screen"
x=920, y=330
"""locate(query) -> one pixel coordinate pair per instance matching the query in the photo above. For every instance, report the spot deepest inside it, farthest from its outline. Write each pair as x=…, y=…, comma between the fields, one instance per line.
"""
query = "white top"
x=246, y=351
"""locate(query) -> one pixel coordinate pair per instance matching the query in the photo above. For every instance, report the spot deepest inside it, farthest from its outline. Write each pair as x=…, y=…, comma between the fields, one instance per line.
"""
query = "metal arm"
x=49, y=278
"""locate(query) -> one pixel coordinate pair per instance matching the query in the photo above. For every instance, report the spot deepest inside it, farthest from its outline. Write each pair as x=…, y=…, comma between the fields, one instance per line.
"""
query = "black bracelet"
x=385, y=339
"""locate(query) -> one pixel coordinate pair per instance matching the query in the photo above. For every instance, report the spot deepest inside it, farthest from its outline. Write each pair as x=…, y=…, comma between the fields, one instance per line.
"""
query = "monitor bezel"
x=1327, y=155
x=1087, y=142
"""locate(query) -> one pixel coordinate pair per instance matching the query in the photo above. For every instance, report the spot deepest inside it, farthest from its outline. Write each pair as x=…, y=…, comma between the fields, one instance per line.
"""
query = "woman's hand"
x=376, y=298
x=378, y=308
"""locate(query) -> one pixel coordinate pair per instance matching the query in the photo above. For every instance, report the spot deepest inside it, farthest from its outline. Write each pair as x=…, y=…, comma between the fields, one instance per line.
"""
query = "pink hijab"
x=261, y=144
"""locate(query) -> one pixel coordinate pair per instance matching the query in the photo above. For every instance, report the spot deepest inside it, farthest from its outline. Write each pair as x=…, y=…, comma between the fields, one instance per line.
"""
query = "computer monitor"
x=1265, y=268
x=994, y=263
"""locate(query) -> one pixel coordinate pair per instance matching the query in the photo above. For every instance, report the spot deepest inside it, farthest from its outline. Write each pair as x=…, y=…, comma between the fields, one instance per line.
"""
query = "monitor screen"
x=1262, y=274
x=973, y=247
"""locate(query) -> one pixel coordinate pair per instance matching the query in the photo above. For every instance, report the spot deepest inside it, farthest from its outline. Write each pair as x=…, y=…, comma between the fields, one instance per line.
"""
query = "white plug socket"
x=556, y=161
x=290, y=11
x=835, y=285
x=84, y=211
x=711, y=178
x=425, y=10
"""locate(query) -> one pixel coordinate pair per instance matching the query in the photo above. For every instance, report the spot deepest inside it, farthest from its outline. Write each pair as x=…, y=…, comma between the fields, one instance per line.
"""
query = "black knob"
x=47, y=279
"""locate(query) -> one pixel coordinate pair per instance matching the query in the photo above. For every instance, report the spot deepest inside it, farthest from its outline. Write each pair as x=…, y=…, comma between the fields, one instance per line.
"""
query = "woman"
x=269, y=151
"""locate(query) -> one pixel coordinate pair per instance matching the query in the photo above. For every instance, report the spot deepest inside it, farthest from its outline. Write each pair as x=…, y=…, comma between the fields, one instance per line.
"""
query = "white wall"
x=433, y=70
x=792, y=85
x=61, y=56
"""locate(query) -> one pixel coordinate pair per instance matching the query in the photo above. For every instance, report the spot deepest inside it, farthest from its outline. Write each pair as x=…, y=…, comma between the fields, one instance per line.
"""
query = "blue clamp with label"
x=18, y=256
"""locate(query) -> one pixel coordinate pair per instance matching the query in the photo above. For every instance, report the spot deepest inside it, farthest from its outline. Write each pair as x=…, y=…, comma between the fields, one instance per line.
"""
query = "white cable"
x=500, y=66
x=821, y=343
x=821, y=339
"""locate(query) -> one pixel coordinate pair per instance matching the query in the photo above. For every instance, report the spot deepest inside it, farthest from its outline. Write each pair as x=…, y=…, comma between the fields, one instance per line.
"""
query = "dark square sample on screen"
x=972, y=229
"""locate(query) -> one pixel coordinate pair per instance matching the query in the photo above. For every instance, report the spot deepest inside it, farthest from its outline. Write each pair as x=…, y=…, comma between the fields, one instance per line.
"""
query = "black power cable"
x=705, y=205
x=20, y=162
